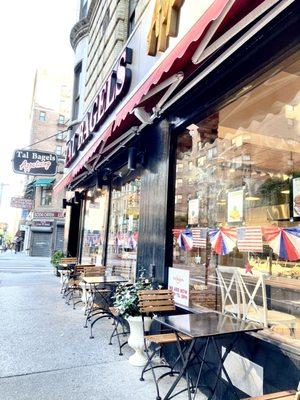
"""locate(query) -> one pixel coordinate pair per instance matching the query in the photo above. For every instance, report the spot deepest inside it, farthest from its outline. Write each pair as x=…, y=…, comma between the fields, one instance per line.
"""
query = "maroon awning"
x=176, y=61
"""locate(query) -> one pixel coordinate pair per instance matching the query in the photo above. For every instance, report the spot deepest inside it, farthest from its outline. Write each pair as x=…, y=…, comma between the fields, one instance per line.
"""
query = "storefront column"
x=156, y=204
x=73, y=231
x=105, y=247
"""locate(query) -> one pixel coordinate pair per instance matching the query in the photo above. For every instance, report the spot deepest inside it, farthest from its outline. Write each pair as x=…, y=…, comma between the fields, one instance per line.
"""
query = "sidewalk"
x=45, y=353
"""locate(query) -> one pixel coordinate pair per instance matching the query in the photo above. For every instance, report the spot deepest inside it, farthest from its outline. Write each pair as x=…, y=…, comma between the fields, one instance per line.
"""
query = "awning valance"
x=44, y=182
x=177, y=60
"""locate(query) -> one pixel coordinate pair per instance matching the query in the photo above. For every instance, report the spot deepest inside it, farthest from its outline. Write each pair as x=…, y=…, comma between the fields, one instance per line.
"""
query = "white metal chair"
x=239, y=297
x=229, y=283
x=261, y=313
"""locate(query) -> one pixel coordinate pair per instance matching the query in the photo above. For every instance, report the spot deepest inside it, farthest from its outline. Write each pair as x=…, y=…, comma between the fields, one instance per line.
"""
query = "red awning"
x=172, y=63
x=180, y=51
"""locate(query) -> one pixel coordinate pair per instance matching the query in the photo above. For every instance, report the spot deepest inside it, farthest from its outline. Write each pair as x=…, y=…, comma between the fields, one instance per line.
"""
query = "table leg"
x=186, y=360
x=221, y=366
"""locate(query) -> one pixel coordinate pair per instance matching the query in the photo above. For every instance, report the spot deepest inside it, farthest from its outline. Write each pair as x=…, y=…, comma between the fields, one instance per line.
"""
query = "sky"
x=33, y=34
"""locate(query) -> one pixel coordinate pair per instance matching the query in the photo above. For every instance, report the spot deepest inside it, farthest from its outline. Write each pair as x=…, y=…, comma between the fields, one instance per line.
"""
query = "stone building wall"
x=108, y=33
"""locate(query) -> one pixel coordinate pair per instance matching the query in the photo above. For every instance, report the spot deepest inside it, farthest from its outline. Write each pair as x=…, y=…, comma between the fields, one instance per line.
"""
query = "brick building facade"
x=50, y=114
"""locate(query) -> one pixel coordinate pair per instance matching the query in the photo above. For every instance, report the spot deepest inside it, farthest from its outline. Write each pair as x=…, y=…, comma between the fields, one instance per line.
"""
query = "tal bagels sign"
x=32, y=162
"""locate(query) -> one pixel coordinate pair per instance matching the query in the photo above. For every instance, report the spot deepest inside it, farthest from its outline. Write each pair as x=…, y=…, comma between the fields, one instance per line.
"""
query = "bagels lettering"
x=111, y=92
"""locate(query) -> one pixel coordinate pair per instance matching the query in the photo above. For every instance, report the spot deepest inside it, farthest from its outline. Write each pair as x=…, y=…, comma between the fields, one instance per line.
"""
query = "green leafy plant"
x=126, y=296
x=56, y=257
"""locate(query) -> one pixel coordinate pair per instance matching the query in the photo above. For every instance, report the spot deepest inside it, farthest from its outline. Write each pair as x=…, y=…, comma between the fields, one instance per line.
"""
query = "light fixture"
x=132, y=158
x=252, y=198
x=286, y=191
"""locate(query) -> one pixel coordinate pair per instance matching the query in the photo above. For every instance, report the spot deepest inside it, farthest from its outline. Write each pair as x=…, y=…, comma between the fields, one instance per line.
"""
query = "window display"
x=237, y=205
x=94, y=226
x=123, y=229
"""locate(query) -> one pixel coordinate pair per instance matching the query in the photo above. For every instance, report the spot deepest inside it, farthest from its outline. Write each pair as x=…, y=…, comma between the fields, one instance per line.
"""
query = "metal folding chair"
x=159, y=301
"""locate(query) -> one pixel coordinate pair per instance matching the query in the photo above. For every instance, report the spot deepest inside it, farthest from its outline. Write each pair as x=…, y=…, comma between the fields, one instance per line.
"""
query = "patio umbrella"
x=285, y=242
x=185, y=240
x=223, y=240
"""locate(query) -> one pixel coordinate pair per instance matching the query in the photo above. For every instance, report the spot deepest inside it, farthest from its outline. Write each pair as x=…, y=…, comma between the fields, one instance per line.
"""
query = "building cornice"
x=79, y=31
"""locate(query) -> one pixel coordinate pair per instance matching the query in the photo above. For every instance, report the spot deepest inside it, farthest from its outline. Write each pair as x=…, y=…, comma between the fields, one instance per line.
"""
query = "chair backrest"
x=68, y=260
x=153, y=301
x=229, y=283
x=122, y=270
x=249, y=293
x=80, y=268
x=94, y=271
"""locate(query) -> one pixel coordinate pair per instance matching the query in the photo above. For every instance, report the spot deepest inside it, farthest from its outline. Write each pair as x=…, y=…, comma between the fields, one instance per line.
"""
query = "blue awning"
x=44, y=182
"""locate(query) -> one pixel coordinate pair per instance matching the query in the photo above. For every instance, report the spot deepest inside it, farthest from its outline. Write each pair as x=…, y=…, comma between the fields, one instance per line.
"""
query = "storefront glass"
x=237, y=204
x=123, y=229
x=94, y=226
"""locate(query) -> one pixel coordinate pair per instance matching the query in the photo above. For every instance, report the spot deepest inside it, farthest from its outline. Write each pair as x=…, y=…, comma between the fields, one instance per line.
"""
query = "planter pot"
x=136, y=340
x=55, y=270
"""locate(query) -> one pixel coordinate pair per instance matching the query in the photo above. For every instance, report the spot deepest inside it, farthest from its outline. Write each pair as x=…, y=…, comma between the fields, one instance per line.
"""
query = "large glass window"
x=123, y=229
x=94, y=226
x=237, y=204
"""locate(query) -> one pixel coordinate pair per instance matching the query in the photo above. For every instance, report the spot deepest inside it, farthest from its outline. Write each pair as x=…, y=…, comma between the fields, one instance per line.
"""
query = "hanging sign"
x=21, y=202
x=193, y=212
x=32, y=162
x=235, y=206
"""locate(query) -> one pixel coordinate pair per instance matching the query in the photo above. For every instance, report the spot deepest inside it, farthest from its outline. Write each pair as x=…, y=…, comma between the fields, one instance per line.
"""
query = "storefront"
x=211, y=178
x=46, y=233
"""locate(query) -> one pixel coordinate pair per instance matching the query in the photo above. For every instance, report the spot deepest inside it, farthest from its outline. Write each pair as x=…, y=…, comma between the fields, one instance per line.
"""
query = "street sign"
x=32, y=162
x=21, y=202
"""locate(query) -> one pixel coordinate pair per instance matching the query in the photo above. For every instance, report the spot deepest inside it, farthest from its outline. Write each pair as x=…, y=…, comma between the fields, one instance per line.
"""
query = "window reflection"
x=94, y=226
x=238, y=192
x=123, y=229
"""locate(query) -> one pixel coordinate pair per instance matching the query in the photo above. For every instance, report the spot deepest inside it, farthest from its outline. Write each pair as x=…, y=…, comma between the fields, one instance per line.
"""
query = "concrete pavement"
x=45, y=353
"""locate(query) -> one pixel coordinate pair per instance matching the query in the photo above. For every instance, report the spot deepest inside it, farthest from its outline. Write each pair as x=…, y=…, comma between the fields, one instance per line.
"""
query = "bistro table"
x=204, y=328
x=96, y=289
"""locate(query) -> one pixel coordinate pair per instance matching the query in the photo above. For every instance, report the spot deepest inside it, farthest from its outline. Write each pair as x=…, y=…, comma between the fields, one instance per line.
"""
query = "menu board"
x=235, y=205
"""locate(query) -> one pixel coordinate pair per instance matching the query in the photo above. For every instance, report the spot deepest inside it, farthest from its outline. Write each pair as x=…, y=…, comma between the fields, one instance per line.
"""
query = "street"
x=45, y=352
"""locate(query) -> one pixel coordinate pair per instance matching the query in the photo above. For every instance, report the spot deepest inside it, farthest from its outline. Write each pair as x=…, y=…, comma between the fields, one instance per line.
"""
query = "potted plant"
x=126, y=299
x=55, y=260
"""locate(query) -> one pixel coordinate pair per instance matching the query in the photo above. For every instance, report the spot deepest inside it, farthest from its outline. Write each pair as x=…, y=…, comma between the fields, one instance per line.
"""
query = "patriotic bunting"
x=223, y=240
x=177, y=231
x=199, y=237
x=249, y=238
x=185, y=240
x=285, y=242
